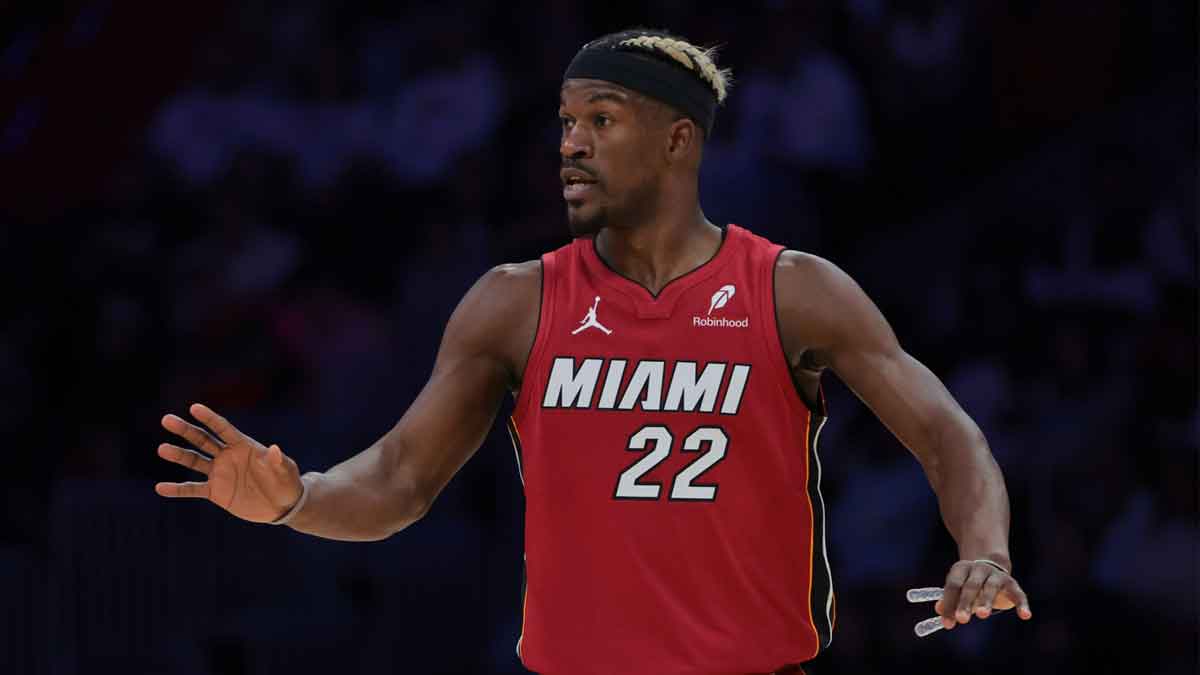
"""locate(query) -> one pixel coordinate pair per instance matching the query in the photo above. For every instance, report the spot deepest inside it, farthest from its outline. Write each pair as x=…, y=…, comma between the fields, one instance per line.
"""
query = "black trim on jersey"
x=642, y=455
x=724, y=231
x=820, y=409
x=821, y=582
x=516, y=441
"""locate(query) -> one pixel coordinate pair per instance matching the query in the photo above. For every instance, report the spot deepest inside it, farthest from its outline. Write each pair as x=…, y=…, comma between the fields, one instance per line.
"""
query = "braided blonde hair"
x=699, y=61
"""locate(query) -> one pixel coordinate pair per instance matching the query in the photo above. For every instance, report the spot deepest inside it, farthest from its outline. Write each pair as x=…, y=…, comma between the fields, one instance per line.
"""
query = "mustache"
x=569, y=163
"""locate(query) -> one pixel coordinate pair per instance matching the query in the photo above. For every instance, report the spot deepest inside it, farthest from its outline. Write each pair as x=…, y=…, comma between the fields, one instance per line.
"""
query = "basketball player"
x=667, y=376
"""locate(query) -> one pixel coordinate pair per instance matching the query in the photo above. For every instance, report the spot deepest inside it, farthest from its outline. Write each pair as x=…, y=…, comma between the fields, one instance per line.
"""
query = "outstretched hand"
x=975, y=588
x=252, y=482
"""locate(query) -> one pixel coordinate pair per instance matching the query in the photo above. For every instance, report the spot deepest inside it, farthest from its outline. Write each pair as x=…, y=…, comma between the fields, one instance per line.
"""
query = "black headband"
x=670, y=83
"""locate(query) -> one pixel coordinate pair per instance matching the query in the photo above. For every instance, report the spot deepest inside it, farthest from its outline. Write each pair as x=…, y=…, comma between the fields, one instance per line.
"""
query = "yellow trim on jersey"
x=812, y=533
x=524, y=601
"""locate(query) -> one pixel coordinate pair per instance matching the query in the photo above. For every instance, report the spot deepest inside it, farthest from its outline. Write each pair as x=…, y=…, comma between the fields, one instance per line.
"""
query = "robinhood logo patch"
x=721, y=297
x=719, y=300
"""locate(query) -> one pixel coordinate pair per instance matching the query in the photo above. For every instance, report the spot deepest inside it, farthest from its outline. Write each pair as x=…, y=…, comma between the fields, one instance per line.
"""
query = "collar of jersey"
x=647, y=305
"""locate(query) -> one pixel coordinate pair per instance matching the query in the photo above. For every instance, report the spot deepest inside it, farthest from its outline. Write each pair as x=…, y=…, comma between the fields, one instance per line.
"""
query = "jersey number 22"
x=660, y=441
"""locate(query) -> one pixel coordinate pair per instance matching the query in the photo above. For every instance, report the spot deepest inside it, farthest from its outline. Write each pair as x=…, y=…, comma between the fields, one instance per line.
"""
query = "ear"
x=682, y=137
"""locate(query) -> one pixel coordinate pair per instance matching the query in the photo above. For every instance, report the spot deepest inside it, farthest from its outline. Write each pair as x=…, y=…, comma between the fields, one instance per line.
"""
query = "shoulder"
x=819, y=308
x=806, y=277
x=505, y=294
x=498, y=317
x=515, y=280
x=792, y=262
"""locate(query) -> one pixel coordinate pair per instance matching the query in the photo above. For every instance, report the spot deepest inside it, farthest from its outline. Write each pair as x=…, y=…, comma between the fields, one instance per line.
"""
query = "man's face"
x=610, y=163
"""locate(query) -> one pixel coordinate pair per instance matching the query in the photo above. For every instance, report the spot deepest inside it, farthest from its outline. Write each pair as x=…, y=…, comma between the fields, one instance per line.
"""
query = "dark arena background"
x=273, y=208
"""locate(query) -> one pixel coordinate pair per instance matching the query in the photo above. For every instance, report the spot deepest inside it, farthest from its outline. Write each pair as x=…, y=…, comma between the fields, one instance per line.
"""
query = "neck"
x=654, y=253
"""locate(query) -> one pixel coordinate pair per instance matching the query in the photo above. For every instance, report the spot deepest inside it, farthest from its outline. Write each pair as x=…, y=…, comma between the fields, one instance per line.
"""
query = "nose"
x=575, y=144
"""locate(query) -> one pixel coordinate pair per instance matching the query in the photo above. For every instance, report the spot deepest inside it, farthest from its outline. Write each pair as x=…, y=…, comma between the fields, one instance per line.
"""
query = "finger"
x=982, y=607
x=220, y=426
x=970, y=591
x=184, y=457
x=952, y=590
x=1014, y=592
x=193, y=434
x=190, y=489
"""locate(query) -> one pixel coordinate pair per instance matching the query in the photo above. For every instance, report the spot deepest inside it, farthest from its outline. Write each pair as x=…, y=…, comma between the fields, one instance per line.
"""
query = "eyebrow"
x=608, y=95
x=602, y=95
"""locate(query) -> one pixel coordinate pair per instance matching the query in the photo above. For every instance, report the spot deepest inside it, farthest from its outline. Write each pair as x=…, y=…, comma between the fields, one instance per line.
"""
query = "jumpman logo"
x=590, y=321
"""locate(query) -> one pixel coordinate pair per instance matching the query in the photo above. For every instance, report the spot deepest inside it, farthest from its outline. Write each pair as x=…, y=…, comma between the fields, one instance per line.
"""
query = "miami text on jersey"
x=572, y=384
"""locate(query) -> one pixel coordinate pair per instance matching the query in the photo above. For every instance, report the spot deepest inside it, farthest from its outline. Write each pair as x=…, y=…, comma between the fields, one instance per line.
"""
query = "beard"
x=639, y=204
x=581, y=223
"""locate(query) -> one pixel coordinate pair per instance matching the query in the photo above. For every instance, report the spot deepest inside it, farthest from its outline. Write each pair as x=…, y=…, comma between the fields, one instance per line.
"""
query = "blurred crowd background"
x=274, y=207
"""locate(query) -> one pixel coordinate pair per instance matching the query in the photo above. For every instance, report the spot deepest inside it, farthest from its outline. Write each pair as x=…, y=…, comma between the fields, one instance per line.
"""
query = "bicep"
x=455, y=409
x=858, y=344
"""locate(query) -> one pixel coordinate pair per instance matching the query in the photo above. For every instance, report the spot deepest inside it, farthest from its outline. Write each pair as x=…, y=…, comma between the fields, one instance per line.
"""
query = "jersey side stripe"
x=812, y=621
x=524, y=600
x=516, y=441
x=515, y=435
x=827, y=601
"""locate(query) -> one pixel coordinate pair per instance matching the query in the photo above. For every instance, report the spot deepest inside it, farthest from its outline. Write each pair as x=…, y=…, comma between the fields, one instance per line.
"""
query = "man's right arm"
x=393, y=483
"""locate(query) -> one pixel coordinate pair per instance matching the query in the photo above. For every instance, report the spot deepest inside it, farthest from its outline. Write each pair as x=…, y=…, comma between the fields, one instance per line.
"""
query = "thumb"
x=272, y=460
x=279, y=463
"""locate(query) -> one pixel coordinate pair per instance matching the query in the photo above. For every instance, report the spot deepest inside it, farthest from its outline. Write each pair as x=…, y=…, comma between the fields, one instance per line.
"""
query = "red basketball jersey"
x=673, y=522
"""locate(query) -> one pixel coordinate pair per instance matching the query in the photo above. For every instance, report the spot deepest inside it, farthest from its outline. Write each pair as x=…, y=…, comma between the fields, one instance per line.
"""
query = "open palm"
x=245, y=478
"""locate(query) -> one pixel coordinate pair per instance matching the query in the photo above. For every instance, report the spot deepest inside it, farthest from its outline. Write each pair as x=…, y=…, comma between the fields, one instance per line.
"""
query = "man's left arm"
x=829, y=322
